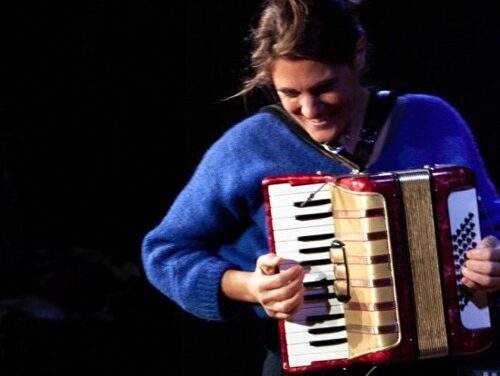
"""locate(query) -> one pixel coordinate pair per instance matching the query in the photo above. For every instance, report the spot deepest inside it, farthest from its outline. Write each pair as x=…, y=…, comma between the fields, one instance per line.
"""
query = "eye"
x=325, y=87
x=288, y=93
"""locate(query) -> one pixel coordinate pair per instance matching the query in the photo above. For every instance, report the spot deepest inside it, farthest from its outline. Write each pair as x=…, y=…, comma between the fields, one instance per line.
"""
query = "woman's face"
x=320, y=97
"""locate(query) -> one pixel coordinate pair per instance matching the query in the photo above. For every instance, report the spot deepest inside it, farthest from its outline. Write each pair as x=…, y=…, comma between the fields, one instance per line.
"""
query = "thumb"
x=488, y=242
x=267, y=263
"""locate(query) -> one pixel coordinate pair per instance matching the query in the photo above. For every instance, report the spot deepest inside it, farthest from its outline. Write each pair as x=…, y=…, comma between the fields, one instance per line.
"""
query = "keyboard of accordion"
x=303, y=232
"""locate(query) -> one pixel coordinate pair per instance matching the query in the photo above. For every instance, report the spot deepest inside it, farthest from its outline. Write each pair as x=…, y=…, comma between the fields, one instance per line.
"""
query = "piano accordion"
x=382, y=254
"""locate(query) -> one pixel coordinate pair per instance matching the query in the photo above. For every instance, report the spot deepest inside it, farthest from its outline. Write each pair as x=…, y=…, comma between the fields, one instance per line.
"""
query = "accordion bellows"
x=382, y=254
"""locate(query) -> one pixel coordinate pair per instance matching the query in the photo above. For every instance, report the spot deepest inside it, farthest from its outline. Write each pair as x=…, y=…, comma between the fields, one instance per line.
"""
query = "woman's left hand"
x=481, y=271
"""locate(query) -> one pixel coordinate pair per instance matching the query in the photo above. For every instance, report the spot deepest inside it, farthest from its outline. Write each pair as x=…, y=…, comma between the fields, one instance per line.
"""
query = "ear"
x=361, y=52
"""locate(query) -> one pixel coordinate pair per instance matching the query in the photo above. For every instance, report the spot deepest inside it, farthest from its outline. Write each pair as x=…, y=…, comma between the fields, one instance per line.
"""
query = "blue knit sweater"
x=217, y=222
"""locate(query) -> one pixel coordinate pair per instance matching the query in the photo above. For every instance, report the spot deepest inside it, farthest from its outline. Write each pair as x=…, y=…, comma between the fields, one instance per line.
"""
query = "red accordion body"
x=372, y=295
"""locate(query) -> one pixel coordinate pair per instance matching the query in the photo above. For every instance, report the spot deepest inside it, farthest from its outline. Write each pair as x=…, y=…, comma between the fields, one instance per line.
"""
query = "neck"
x=350, y=137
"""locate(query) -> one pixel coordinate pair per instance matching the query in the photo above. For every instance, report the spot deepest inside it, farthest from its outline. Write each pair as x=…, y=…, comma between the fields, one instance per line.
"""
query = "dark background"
x=106, y=108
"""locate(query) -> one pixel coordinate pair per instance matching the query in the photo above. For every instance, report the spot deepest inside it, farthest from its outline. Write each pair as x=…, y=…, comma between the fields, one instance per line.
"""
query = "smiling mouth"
x=319, y=123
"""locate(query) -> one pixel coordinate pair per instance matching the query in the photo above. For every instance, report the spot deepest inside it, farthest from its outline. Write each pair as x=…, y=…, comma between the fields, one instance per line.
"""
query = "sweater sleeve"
x=181, y=256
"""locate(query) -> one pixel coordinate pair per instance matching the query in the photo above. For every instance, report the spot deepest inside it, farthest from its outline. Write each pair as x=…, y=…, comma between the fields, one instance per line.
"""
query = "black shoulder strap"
x=379, y=106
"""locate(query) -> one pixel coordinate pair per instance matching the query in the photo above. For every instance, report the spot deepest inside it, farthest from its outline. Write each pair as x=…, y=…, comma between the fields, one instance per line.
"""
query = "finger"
x=483, y=282
x=487, y=249
x=287, y=307
x=488, y=242
x=268, y=263
x=294, y=275
x=483, y=267
x=470, y=284
x=282, y=315
x=484, y=254
x=284, y=292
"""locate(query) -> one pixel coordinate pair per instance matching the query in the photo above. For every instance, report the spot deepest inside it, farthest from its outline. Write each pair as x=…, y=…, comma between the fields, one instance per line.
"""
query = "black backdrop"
x=106, y=109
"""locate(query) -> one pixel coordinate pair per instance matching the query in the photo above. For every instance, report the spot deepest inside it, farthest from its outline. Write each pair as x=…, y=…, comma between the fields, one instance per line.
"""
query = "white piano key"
x=293, y=223
x=286, y=204
x=297, y=338
x=297, y=327
x=297, y=357
x=330, y=307
x=311, y=291
x=286, y=188
x=302, y=331
x=293, y=246
x=318, y=276
x=301, y=324
x=284, y=235
x=307, y=349
x=314, y=272
x=300, y=257
x=320, y=305
x=336, y=351
x=290, y=211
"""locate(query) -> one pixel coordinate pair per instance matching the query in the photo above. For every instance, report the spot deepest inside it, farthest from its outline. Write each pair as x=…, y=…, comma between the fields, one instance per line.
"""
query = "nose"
x=311, y=106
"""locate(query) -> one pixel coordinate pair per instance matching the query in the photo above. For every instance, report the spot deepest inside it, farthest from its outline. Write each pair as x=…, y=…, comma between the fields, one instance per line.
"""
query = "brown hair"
x=325, y=30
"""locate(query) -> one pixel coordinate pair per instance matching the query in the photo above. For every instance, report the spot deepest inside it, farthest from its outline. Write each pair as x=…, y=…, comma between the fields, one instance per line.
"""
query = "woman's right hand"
x=279, y=292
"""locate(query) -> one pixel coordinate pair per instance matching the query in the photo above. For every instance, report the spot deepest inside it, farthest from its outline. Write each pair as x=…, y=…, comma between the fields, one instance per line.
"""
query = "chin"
x=323, y=139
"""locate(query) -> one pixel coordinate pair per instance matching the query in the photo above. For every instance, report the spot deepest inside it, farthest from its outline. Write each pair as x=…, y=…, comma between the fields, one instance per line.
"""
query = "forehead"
x=301, y=74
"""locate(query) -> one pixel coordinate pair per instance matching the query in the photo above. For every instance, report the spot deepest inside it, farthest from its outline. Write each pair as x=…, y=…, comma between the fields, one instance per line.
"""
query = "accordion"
x=382, y=254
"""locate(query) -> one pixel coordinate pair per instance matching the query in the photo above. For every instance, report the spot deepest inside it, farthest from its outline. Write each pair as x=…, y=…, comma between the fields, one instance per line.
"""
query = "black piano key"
x=311, y=238
x=310, y=217
x=316, y=262
x=308, y=251
x=321, y=296
x=321, y=318
x=330, y=329
x=304, y=204
x=328, y=342
x=320, y=283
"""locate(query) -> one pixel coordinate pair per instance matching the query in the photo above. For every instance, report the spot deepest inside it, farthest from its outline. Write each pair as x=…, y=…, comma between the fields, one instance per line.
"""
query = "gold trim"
x=367, y=260
x=361, y=236
x=358, y=213
x=364, y=329
x=356, y=306
x=382, y=282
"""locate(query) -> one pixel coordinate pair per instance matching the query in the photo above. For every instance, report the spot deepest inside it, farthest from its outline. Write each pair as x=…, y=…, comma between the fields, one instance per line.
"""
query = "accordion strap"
x=379, y=107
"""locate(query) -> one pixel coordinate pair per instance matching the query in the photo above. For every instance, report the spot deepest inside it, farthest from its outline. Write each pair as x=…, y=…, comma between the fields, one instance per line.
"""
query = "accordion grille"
x=422, y=247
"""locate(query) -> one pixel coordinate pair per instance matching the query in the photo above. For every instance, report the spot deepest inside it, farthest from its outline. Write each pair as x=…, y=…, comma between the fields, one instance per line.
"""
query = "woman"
x=210, y=252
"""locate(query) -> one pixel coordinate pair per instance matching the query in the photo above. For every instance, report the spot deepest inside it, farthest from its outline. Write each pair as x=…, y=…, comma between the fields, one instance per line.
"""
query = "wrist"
x=236, y=285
